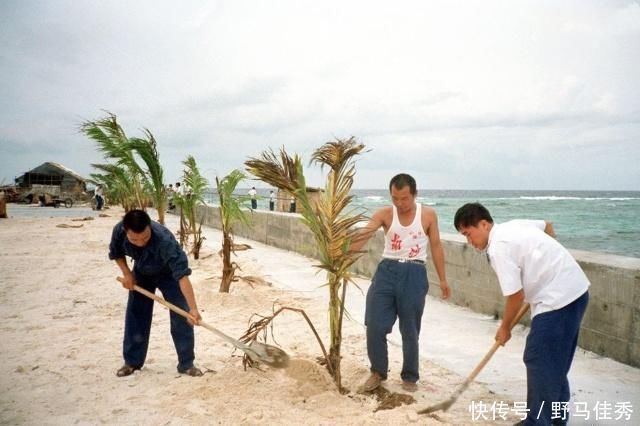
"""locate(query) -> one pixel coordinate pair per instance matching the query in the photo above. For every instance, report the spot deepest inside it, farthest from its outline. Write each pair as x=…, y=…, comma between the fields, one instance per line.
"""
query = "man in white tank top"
x=399, y=286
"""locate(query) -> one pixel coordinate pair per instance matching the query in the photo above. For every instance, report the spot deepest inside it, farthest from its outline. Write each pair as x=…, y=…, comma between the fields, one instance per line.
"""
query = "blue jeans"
x=548, y=355
x=137, y=326
x=398, y=290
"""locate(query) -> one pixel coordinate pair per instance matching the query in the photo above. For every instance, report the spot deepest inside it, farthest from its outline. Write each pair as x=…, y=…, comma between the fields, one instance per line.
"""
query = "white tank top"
x=406, y=242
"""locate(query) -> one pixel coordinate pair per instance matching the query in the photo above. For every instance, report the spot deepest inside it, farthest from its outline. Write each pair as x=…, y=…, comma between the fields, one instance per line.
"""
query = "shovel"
x=446, y=404
x=258, y=352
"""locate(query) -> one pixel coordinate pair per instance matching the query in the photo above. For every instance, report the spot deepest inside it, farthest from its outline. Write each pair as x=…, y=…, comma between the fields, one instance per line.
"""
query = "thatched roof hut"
x=52, y=175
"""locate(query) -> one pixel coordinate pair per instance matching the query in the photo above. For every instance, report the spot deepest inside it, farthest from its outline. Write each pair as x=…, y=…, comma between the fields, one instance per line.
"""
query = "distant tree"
x=230, y=213
x=195, y=186
x=332, y=226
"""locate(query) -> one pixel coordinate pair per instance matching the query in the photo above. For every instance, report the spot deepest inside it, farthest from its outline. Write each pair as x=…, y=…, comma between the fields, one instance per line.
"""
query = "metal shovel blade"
x=267, y=354
x=258, y=352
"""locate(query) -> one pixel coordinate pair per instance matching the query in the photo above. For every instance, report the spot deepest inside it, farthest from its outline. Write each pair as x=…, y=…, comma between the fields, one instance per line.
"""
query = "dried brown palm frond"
x=280, y=170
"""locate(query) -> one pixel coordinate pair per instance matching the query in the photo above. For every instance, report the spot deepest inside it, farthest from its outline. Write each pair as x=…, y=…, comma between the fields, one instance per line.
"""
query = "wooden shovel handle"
x=523, y=310
x=159, y=299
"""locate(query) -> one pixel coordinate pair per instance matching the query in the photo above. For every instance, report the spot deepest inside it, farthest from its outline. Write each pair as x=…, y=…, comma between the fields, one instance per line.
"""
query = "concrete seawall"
x=611, y=326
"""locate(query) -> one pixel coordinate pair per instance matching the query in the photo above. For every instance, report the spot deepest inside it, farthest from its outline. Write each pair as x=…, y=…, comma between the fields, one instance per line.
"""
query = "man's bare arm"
x=369, y=230
x=437, y=252
x=548, y=228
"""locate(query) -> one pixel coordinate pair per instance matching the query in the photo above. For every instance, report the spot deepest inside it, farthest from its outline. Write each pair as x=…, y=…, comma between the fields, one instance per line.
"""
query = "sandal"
x=191, y=371
x=126, y=370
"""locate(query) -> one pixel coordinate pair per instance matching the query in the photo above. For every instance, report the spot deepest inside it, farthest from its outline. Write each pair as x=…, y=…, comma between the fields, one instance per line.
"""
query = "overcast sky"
x=463, y=95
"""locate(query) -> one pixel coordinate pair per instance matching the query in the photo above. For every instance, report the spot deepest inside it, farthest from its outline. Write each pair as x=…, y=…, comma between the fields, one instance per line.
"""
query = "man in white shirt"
x=533, y=267
x=99, y=197
x=272, y=200
x=254, y=202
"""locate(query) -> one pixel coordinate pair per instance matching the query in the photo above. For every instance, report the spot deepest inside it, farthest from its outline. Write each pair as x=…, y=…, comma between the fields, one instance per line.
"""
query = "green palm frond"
x=111, y=138
x=118, y=184
x=147, y=150
x=231, y=205
x=114, y=144
x=194, y=182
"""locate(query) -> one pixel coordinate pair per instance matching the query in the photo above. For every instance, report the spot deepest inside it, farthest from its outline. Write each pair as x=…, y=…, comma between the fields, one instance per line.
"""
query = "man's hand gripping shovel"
x=258, y=352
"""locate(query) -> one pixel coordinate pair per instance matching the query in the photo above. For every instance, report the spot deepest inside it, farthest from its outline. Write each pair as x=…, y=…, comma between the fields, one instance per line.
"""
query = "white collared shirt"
x=525, y=257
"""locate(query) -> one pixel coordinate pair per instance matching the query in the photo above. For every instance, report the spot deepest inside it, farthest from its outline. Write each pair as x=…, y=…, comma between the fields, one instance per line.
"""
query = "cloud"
x=464, y=95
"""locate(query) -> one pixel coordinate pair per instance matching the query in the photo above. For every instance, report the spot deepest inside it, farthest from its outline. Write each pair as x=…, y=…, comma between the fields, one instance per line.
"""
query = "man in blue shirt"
x=159, y=263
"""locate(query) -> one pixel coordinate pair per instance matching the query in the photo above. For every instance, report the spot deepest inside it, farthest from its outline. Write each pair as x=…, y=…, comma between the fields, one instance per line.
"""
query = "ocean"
x=599, y=221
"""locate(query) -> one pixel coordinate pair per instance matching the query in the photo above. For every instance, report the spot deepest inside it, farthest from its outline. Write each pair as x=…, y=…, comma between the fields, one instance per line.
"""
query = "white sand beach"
x=62, y=318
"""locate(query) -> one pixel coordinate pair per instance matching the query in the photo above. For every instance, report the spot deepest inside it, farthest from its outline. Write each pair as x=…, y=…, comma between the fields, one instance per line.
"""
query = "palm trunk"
x=161, y=211
x=336, y=329
x=182, y=229
x=227, y=268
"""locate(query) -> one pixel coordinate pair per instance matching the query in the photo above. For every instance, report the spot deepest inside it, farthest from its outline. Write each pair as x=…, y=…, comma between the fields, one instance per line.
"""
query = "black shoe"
x=126, y=370
x=191, y=371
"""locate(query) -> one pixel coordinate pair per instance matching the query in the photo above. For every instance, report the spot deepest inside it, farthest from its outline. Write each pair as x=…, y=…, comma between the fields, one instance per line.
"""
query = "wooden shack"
x=52, y=178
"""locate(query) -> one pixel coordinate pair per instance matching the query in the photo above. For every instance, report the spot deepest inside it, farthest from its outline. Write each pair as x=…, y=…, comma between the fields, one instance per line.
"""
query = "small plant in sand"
x=117, y=184
x=194, y=188
x=133, y=184
x=330, y=223
x=230, y=213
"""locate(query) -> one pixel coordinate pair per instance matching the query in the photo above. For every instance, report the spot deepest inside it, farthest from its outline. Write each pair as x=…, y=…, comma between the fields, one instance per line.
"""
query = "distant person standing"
x=99, y=197
x=292, y=204
x=533, y=267
x=170, y=194
x=272, y=201
x=254, y=202
x=179, y=189
x=161, y=264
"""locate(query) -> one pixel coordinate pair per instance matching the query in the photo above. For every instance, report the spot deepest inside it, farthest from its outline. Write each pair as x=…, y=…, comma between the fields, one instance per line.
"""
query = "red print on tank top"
x=413, y=252
x=396, y=242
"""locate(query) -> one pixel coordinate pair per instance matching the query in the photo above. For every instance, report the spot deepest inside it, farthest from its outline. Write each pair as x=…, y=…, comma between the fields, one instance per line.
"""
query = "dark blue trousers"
x=548, y=355
x=398, y=290
x=137, y=328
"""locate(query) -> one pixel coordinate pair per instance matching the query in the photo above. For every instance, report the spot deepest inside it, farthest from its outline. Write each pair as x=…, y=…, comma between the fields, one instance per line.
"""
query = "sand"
x=62, y=318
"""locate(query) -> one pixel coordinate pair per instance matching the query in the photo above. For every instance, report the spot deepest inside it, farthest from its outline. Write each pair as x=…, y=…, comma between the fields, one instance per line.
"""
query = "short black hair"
x=401, y=180
x=470, y=214
x=136, y=221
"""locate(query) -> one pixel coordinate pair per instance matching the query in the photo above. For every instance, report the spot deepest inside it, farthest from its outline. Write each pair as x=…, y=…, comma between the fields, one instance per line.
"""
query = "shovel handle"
x=159, y=299
x=187, y=315
x=523, y=310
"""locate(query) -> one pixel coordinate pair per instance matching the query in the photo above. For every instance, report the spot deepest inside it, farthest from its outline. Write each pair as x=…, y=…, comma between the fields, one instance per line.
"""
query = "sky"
x=460, y=94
